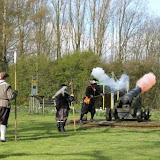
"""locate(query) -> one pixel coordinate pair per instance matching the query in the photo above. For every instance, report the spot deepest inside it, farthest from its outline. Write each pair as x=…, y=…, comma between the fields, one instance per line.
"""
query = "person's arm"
x=58, y=102
x=89, y=92
x=69, y=98
x=97, y=92
x=10, y=94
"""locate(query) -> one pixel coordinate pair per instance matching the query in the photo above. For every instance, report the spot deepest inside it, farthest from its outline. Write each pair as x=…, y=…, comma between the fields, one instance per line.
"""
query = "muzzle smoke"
x=122, y=83
x=146, y=82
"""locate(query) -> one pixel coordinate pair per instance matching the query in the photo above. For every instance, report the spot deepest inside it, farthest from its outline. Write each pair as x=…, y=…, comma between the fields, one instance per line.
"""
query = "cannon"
x=128, y=106
x=121, y=105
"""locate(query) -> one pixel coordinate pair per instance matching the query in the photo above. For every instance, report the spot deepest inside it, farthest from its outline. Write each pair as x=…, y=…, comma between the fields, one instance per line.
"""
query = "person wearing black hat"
x=6, y=95
x=88, y=102
x=63, y=100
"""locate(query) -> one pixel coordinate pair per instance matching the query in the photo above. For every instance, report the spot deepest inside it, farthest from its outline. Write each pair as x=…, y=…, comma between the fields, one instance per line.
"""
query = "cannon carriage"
x=122, y=105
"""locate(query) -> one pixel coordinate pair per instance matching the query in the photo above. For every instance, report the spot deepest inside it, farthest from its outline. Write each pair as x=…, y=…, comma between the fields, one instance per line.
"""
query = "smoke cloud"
x=122, y=83
x=146, y=82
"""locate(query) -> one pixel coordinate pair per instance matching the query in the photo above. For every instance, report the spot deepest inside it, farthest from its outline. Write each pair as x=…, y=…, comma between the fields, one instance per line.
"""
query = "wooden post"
x=30, y=105
x=112, y=99
x=74, y=120
x=74, y=117
x=15, y=62
x=43, y=105
x=33, y=104
x=117, y=94
x=73, y=109
x=71, y=84
x=103, y=97
x=36, y=104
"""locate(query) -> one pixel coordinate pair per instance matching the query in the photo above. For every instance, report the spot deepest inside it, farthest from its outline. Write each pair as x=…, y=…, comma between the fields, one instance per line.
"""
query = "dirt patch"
x=122, y=124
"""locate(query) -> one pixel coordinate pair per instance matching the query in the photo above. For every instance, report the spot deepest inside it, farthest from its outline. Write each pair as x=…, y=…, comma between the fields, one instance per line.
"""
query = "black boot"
x=92, y=120
x=58, y=126
x=62, y=124
x=80, y=121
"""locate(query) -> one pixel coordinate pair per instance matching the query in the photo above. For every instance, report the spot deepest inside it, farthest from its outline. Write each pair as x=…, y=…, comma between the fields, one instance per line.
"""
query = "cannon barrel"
x=127, y=98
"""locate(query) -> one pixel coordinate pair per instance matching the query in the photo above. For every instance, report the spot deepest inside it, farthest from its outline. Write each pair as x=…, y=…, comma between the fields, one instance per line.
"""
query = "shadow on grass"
x=36, y=131
x=35, y=127
x=44, y=130
x=94, y=155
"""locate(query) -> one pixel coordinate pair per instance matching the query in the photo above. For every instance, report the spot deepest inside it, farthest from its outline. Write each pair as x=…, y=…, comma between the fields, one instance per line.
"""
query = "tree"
x=99, y=13
x=130, y=14
x=59, y=7
x=7, y=31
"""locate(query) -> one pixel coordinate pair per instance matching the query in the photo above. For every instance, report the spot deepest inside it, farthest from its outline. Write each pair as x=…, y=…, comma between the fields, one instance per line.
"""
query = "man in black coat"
x=63, y=100
x=89, y=100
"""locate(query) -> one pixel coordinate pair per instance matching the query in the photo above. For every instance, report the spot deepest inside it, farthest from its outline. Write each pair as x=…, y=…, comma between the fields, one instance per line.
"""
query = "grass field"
x=38, y=139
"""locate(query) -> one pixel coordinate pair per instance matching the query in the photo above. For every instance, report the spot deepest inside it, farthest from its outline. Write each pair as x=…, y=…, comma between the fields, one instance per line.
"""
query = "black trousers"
x=88, y=108
x=4, y=115
x=62, y=114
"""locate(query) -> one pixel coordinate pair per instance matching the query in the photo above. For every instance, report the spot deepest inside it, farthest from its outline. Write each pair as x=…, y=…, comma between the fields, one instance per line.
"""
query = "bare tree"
x=99, y=13
x=7, y=30
x=4, y=41
x=130, y=16
x=59, y=7
x=24, y=25
x=77, y=19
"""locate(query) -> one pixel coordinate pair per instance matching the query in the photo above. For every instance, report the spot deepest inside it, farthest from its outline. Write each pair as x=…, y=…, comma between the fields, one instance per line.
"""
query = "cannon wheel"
x=146, y=114
x=116, y=114
x=139, y=115
x=108, y=114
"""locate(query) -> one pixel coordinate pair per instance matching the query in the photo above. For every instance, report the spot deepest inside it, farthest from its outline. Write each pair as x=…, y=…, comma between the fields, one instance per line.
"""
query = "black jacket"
x=63, y=101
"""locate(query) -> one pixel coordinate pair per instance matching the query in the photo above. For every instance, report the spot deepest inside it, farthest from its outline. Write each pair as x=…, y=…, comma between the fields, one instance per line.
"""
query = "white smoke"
x=122, y=83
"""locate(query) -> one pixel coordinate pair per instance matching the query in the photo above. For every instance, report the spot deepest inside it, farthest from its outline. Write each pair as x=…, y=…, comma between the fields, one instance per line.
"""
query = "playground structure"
x=34, y=103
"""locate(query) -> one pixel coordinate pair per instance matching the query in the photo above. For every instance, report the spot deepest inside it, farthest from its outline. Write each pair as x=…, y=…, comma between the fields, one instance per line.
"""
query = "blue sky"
x=154, y=5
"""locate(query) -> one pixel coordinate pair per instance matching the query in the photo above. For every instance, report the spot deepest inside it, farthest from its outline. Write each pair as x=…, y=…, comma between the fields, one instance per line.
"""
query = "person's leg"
x=3, y=133
x=58, y=119
x=81, y=116
x=93, y=111
x=58, y=126
x=4, y=116
x=64, y=112
x=62, y=125
x=84, y=110
x=92, y=115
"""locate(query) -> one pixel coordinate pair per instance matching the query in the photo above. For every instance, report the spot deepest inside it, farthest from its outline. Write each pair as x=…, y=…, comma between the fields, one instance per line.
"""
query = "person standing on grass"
x=62, y=100
x=5, y=96
x=88, y=102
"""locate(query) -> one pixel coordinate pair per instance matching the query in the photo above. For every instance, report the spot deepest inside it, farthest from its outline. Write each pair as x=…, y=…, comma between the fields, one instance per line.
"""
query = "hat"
x=93, y=81
x=63, y=85
x=3, y=75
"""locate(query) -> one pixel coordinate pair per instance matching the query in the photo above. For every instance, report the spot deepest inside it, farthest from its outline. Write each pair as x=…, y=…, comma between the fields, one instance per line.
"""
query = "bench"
x=47, y=103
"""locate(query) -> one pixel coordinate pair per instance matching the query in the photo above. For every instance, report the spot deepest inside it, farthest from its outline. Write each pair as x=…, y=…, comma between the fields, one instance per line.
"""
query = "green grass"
x=38, y=139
